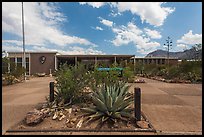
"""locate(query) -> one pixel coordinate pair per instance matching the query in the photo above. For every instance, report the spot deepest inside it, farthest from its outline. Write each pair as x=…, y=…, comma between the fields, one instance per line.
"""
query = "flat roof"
x=31, y=52
x=95, y=56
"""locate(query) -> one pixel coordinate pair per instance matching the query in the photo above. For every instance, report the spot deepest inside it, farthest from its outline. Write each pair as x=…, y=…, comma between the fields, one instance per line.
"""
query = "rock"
x=16, y=80
x=187, y=81
x=74, y=108
x=45, y=111
x=139, y=81
x=128, y=124
x=34, y=117
x=41, y=74
x=69, y=110
x=116, y=125
x=63, y=116
x=73, y=120
x=21, y=127
x=55, y=116
x=67, y=121
x=143, y=124
x=79, y=123
x=70, y=125
x=77, y=110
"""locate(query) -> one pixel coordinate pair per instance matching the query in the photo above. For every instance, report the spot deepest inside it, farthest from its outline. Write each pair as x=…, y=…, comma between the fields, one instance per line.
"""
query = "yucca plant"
x=110, y=103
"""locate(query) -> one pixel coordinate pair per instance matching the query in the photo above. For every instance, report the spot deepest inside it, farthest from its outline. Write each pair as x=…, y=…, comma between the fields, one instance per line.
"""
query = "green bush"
x=71, y=81
x=8, y=79
x=127, y=74
x=16, y=72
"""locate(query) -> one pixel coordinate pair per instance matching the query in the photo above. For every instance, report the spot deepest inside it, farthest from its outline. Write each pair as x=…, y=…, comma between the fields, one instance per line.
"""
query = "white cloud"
x=42, y=24
x=14, y=45
x=93, y=4
x=182, y=46
x=13, y=42
x=106, y=22
x=73, y=50
x=151, y=12
x=115, y=13
x=153, y=33
x=11, y=48
x=190, y=38
x=132, y=34
x=97, y=28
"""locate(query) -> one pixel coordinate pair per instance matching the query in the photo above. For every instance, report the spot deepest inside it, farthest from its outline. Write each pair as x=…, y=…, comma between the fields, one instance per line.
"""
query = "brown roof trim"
x=129, y=56
x=154, y=58
x=33, y=52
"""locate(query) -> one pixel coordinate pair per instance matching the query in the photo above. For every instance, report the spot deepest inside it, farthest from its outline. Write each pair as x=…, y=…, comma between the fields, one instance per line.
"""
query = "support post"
x=137, y=103
x=115, y=60
x=51, y=91
x=56, y=63
x=75, y=61
x=134, y=64
x=95, y=61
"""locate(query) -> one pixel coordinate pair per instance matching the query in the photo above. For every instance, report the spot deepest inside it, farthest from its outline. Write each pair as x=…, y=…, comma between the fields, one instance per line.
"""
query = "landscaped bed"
x=71, y=120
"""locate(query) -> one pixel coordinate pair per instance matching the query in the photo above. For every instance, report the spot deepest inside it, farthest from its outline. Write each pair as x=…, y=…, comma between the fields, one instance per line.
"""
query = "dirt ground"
x=170, y=108
x=71, y=120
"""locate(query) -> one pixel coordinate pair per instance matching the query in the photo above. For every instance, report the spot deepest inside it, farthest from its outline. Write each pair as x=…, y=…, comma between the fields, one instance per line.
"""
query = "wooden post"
x=51, y=91
x=137, y=103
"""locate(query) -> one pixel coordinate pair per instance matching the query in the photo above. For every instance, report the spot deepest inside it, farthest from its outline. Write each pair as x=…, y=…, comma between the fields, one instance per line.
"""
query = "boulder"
x=41, y=74
x=143, y=124
x=139, y=81
x=34, y=117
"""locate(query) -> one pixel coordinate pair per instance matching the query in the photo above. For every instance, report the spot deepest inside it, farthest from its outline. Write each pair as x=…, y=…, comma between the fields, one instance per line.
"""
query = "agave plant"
x=110, y=103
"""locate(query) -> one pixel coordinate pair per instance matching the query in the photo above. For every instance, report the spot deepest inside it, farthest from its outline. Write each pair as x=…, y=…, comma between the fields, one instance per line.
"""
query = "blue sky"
x=135, y=28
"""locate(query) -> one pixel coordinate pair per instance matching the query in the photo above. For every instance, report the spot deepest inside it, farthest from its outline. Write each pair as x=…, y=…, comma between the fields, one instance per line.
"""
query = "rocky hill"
x=187, y=54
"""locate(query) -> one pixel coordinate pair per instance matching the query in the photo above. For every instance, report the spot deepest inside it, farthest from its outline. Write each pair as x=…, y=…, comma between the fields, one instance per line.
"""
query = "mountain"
x=187, y=54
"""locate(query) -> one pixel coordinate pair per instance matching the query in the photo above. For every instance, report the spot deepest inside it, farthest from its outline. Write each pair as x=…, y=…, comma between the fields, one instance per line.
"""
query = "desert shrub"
x=98, y=78
x=71, y=81
x=191, y=70
x=16, y=72
x=127, y=74
x=8, y=79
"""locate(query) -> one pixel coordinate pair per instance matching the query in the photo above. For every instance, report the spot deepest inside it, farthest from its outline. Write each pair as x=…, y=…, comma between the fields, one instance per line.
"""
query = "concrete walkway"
x=172, y=108
x=20, y=98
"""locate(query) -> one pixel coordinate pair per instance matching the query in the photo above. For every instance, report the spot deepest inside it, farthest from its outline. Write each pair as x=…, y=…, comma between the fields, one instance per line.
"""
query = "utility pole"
x=169, y=44
x=24, y=58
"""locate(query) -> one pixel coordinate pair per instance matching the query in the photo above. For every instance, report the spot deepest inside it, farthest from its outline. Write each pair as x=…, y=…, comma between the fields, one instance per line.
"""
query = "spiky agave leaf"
x=124, y=104
x=89, y=110
x=100, y=95
x=96, y=115
x=104, y=118
x=108, y=99
x=99, y=104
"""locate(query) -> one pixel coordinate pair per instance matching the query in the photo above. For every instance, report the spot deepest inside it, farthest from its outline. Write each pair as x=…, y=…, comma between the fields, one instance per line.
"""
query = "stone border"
x=84, y=130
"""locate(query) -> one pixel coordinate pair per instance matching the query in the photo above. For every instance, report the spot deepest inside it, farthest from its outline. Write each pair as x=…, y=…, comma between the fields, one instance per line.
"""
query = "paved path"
x=172, y=108
x=20, y=98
